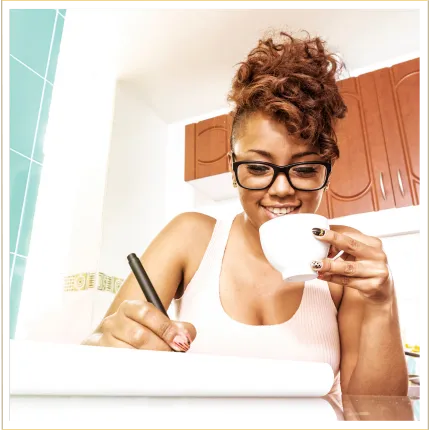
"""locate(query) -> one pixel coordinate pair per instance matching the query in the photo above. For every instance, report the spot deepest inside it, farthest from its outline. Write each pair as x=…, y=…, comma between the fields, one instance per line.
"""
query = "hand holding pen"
x=141, y=324
x=181, y=342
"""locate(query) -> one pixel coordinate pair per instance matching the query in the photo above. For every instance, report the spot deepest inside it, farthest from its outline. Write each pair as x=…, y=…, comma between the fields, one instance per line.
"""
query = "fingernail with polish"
x=318, y=231
x=188, y=339
x=180, y=343
x=316, y=265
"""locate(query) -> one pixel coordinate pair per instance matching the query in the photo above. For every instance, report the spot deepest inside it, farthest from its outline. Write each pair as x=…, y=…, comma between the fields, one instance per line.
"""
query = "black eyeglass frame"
x=280, y=169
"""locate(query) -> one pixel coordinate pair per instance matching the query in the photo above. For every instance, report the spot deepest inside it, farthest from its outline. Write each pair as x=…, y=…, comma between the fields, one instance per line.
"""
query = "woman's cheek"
x=251, y=203
x=310, y=201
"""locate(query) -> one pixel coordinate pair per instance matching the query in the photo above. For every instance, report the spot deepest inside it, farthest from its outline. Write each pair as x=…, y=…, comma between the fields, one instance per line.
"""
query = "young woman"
x=232, y=301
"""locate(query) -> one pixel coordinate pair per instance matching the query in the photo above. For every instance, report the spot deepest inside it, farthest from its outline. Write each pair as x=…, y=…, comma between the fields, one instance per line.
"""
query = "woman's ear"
x=230, y=161
x=230, y=168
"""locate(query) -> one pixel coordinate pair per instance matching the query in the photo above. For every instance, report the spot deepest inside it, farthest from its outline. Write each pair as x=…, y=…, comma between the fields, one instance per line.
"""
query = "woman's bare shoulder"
x=193, y=223
x=191, y=231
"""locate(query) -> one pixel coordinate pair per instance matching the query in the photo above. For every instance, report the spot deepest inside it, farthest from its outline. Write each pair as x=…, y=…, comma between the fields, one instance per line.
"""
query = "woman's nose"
x=281, y=187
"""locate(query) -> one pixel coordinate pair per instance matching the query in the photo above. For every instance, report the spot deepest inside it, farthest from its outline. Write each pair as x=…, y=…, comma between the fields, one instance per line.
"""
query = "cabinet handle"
x=381, y=183
x=399, y=179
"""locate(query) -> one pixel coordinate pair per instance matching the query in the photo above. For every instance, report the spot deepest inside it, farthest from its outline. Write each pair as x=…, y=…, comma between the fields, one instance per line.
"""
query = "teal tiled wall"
x=35, y=37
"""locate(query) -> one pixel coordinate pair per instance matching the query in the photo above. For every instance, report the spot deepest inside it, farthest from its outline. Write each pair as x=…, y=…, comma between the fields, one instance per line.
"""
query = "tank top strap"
x=210, y=266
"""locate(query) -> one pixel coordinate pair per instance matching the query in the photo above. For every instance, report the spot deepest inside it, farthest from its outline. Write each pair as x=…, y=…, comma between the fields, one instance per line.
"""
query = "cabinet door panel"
x=212, y=146
x=190, y=152
x=406, y=84
x=340, y=207
x=351, y=175
x=393, y=139
x=351, y=184
x=377, y=158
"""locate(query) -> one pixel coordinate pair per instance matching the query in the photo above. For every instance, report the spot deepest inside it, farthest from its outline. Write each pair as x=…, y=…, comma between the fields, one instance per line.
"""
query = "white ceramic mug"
x=290, y=246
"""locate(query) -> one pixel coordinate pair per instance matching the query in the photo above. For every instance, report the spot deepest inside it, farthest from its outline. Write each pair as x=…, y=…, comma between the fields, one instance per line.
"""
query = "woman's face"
x=263, y=139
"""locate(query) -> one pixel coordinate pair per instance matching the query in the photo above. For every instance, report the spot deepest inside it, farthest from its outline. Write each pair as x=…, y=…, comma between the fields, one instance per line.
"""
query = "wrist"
x=380, y=308
x=382, y=298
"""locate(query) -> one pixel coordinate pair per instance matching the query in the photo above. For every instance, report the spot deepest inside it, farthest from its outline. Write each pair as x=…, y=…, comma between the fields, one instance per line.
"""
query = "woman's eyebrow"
x=270, y=156
x=303, y=154
x=260, y=152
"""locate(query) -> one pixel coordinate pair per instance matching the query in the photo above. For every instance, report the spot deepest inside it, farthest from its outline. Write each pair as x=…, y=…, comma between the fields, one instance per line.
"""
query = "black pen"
x=145, y=283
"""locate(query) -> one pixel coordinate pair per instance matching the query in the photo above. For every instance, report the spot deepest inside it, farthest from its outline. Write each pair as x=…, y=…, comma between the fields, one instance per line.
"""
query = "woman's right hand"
x=140, y=325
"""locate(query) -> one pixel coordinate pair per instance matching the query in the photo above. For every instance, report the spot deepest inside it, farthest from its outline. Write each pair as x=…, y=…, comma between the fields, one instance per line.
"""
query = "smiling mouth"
x=274, y=212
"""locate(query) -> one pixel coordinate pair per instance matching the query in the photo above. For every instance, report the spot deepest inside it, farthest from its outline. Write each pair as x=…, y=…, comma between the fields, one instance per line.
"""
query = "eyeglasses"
x=302, y=176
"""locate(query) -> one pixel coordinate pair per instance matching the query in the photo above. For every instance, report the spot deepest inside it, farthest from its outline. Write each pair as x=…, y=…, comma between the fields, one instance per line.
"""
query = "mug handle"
x=337, y=255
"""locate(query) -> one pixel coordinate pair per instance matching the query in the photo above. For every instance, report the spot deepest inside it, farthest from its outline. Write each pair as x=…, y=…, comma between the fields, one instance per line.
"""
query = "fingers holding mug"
x=356, y=269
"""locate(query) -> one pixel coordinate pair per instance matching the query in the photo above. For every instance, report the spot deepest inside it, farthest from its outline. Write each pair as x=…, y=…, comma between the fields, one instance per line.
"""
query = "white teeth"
x=280, y=211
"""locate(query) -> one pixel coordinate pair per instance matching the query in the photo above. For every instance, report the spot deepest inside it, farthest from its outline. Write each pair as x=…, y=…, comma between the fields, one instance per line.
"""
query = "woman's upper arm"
x=165, y=259
x=350, y=320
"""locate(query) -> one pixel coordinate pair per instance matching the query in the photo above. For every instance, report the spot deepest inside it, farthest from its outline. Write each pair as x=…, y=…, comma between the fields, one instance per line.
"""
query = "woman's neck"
x=251, y=236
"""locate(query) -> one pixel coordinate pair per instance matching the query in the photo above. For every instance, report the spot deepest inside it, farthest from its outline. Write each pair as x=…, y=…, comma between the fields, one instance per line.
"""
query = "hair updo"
x=293, y=81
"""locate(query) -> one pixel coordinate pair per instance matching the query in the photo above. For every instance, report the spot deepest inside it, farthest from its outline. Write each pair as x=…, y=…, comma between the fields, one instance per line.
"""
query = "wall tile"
x=31, y=32
x=62, y=11
x=29, y=209
x=30, y=36
x=15, y=292
x=55, y=49
x=18, y=172
x=25, y=95
x=43, y=122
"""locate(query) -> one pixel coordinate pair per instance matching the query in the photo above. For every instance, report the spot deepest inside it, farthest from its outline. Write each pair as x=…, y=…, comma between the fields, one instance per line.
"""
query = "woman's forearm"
x=381, y=367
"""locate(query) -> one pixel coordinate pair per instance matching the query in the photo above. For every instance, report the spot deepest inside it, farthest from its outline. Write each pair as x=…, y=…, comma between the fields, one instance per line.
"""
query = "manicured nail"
x=316, y=265
x=180, y=343
x=188, y=339
x=318, y=231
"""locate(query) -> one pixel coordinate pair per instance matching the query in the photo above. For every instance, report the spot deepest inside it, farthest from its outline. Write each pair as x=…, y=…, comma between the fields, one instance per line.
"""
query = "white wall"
x=134, y=204
x=404, y=257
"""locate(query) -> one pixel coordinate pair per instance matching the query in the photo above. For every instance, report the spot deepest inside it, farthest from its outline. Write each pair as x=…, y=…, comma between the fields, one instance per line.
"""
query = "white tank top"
x=311, y=334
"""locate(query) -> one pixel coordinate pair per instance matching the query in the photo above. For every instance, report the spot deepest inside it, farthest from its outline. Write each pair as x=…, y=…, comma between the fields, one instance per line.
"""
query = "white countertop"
x=64, y=384
x=72, y=386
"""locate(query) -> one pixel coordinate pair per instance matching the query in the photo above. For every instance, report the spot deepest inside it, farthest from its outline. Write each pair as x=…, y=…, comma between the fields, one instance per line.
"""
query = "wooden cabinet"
x=207, y=144
x=379, y=143
x=400, y=115
x=360, y=180
x=378, y=140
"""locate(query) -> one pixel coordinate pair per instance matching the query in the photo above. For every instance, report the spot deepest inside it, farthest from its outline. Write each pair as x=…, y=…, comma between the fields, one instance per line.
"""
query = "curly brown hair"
x=292, y=81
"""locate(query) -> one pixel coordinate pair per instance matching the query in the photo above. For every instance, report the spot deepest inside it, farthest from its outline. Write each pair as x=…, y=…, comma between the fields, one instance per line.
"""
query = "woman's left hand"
x=363, y=266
